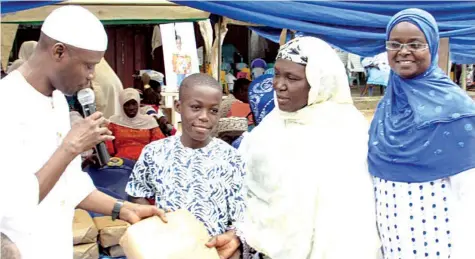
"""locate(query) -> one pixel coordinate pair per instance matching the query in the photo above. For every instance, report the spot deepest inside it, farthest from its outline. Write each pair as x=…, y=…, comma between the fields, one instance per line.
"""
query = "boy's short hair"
x=198, y=79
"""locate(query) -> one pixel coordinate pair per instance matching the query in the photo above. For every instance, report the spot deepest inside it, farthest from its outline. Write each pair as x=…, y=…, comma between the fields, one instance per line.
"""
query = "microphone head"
x=86, y=96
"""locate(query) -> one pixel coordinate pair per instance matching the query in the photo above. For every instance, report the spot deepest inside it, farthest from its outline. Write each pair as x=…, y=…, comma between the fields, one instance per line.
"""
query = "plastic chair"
x=258, y=62
x=354, y=68
x=257, y=72
x=352, y=77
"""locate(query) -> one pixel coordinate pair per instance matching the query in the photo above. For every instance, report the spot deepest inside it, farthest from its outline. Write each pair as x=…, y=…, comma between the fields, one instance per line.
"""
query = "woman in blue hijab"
x=261, y=97
x=422, y=149
x=261, y=100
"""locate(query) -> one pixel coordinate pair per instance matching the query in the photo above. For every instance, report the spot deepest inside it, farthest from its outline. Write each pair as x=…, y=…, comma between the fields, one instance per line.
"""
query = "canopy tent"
x=10, y=6
x=354, y=26
x=108, y=11
x=16, y=12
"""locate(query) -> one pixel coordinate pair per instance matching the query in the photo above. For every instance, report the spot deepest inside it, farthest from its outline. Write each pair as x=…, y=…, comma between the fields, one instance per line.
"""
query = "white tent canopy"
x=106, y=10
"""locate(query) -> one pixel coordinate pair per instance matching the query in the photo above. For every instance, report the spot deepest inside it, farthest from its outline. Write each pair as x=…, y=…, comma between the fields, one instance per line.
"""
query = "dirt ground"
x=368, y=115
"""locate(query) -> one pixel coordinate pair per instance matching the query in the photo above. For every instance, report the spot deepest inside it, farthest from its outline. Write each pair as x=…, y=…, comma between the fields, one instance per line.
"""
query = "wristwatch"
x=116, y=210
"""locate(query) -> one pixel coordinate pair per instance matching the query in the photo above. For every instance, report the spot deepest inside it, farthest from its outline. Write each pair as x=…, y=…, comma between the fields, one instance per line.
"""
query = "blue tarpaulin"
x=11, y=6
x=354, y=26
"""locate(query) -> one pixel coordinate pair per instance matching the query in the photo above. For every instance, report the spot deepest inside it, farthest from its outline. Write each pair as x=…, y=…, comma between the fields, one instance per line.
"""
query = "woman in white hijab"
x=26, y=50
x=309, y=191
x=132, y=129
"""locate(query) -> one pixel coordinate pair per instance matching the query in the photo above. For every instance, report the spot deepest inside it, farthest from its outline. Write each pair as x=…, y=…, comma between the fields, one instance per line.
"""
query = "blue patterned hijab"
x=423, y=128
x=261, y=97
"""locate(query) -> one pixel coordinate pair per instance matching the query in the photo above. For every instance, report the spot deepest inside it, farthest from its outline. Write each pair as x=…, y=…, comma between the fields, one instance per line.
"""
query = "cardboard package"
x=115, y=251
x=86, y=251
x=110, y=231
x=183, y=237
x=84, y=229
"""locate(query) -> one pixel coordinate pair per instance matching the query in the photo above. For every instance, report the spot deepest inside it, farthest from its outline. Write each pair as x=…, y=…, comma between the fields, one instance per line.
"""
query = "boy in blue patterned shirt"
x=195, y=171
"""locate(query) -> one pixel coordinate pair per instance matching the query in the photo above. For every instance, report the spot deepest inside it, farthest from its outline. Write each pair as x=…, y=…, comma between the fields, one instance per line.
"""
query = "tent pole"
x=249, y=47
x=220, y=48
x=283, y=37
x=463, y=77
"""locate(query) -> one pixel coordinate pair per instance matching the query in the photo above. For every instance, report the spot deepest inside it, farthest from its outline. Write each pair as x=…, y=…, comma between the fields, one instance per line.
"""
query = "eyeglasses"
x=412, y=46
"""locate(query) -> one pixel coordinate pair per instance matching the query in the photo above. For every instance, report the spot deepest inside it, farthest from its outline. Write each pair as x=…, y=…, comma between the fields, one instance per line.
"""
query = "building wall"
x=128, y=51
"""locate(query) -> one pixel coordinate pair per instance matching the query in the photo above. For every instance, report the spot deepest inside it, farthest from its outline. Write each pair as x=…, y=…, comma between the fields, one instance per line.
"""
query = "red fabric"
x=151, y=201
x=240, y=109
x=128, y=143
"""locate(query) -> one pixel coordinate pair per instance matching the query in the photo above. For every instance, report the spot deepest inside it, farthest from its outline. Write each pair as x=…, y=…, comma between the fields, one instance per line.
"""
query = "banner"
x=179, y=53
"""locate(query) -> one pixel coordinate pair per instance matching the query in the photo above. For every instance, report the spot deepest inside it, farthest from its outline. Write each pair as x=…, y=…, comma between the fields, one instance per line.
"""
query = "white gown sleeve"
x=19, y=190
x=80, y=182
x=19, y=193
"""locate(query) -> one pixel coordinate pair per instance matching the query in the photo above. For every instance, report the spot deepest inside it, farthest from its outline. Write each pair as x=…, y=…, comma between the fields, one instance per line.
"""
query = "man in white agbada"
x=41, y=182
x=310, y=195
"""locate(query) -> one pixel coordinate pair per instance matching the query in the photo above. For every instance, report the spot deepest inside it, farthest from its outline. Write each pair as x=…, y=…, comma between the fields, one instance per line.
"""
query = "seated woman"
x=152, y=94
x=132, y=129
x=151, y=104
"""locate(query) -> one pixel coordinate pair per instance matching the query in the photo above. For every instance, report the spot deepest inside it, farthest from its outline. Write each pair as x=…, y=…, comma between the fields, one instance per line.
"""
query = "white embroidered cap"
x=76, y=26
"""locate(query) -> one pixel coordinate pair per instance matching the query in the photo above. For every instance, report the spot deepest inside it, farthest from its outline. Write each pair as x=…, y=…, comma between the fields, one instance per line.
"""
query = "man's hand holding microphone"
x=86, y=134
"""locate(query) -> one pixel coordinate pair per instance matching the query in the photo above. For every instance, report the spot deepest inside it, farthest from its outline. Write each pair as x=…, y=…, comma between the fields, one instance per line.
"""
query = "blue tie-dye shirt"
x=206, y=181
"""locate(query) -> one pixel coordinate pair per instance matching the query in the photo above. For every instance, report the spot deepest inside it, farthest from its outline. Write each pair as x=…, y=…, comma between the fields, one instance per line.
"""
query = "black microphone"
x=87, y=100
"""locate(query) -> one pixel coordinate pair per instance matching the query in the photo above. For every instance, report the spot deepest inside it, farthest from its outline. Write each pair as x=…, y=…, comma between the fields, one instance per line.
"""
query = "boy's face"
x=199, y=110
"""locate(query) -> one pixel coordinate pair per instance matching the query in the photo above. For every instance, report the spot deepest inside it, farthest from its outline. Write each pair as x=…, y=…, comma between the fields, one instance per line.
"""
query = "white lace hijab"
x=309, y=191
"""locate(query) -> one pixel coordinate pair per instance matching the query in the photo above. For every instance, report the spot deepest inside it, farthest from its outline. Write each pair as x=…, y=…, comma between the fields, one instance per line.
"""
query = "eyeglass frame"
x=406, y=45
